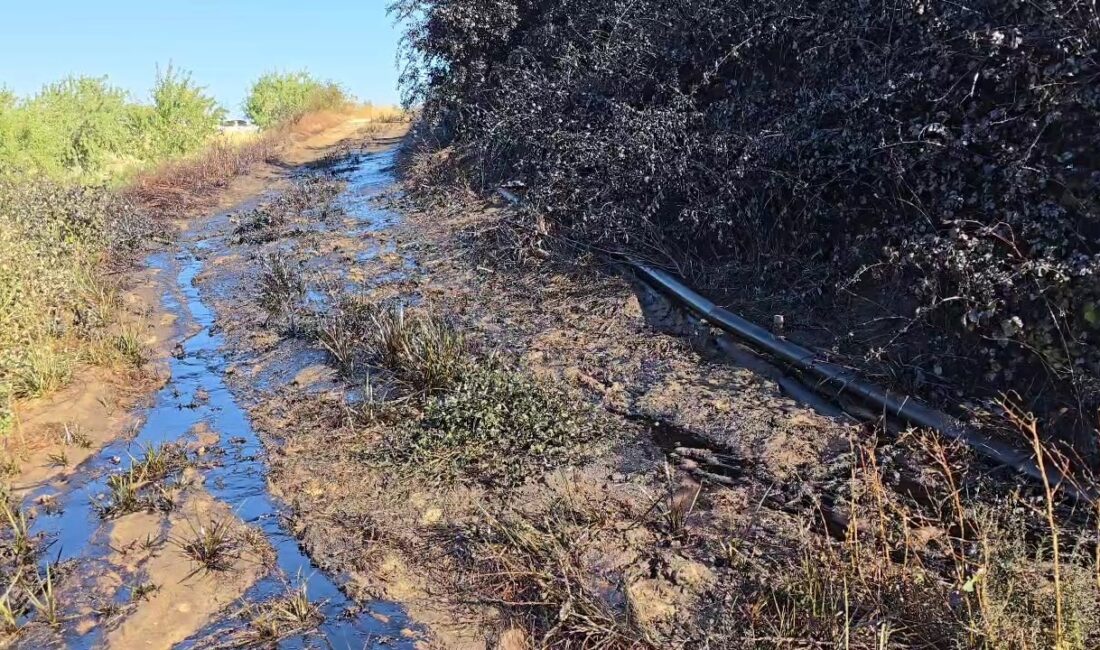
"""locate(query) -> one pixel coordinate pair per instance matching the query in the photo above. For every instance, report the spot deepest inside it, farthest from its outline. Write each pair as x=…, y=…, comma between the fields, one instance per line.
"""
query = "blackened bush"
x=945, y=148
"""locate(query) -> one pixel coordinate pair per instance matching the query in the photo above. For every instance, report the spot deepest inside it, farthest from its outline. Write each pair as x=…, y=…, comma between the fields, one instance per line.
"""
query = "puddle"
x=197, y=395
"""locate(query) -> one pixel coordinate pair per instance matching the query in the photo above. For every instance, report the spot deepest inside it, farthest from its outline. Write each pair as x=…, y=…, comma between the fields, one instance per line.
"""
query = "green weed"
x=44, y=600
x=213, y=546
x=128, y=344
x=496, y=425
x=140, y=486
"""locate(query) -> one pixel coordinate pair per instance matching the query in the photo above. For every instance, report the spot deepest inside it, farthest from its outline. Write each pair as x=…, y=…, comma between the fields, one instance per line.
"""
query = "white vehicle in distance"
x=237, y=126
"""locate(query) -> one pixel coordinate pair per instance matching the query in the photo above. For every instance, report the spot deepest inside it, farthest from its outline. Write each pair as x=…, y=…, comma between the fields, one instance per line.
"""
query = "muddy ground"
x=673, y=494
x=697, y=465
x=144, y=505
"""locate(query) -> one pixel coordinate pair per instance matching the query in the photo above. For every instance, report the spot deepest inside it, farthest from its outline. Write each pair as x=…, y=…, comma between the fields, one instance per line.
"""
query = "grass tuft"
x=284, y=617
x=282, y=290
x=140, y=487
x=212, y=546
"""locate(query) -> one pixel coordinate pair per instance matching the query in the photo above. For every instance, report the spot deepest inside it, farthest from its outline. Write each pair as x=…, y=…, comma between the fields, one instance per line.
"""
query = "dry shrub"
x=929, y=162
x=317, y=121
x=188, y=185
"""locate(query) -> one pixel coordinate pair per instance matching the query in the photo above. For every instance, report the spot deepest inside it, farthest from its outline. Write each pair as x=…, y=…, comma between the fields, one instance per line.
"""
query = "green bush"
x=278, y=97
x=85, y=129
x=181, y=119
x=76, y=125
x=53, y=239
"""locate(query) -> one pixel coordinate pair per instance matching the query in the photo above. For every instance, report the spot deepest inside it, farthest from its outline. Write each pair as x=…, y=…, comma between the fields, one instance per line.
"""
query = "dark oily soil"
x=708, y=509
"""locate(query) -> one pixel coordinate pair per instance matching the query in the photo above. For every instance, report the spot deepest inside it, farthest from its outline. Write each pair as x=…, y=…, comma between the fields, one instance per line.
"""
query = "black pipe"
x=902, y=406
x=843, y=380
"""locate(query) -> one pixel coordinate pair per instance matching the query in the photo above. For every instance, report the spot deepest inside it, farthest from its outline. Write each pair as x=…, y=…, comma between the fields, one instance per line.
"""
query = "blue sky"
x=226, y=44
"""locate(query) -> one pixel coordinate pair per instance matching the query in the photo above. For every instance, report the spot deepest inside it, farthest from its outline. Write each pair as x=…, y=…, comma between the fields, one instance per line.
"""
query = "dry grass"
x=281, y=618
x=534, y=572
x=317, y=121
x=188, y=185
x=382, y=113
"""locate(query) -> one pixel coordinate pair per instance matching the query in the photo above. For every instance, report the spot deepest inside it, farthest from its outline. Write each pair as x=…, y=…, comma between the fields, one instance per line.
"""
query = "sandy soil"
x=185, y=596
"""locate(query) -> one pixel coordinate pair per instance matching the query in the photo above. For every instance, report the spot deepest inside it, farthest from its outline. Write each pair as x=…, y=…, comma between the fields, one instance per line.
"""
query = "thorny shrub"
x=935, y=157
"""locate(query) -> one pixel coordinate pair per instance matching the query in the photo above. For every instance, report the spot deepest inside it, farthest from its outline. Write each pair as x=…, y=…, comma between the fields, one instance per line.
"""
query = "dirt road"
x=393, y=423
x=404, y=535
x=160, y=527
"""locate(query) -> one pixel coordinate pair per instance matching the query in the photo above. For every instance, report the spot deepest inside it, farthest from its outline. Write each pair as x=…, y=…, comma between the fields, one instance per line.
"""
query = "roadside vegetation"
x=83, y=129
x=58, y=308
x=87, y=176
x=281, y=97
x=909, y=186
x=914, y=176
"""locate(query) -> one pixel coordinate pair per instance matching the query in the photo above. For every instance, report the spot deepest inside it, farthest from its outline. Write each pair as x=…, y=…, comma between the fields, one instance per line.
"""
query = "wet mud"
x=107, y=558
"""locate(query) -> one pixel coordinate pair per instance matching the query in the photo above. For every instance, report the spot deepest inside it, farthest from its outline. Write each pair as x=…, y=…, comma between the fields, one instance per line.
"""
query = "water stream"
x=197, y=393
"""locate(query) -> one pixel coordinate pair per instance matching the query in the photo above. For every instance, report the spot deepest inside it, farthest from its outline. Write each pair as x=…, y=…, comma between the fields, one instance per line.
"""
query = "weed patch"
x=282, y=290
x=422, y=351
x=213, y=546
x=54, y=241
x=281, y=618
x=141, y=486
x=28, y=592
x=496, y=425
x=310, y=200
